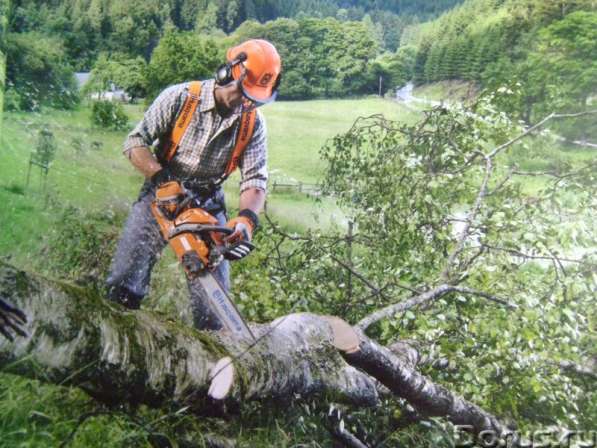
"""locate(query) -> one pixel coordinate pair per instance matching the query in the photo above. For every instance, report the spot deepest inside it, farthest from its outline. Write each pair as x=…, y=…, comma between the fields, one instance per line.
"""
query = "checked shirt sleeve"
x=158, y=119
x=253, y=163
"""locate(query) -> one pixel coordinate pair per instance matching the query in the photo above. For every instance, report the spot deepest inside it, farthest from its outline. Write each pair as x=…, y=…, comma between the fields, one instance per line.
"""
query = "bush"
x=12, y=100
x=109, y=115
x=81, y=245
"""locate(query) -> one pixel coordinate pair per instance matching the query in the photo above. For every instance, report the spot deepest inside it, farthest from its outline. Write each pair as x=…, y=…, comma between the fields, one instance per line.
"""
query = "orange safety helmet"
x=259, y=69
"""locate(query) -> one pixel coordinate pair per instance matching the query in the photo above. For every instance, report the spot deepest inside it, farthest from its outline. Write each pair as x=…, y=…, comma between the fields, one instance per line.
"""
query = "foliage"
x=118, y=69
x=80, y=245
x=38, y=72
x=109, y=115
x=544, y=49
x=396, y=69
x=181, y=57
x=134, y=27
x=565, y=59
x=321, y=57
x=45, y=148
x=406, y=188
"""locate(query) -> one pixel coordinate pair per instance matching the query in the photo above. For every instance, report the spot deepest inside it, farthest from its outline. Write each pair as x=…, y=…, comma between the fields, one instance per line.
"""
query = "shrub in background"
x=109, y=115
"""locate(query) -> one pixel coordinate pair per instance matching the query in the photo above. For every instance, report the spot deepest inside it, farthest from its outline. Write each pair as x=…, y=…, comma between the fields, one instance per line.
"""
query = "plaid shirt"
x=208, y=142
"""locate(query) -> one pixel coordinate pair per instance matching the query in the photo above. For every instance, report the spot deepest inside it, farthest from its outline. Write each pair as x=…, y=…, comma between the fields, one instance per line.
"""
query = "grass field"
x=90, y=173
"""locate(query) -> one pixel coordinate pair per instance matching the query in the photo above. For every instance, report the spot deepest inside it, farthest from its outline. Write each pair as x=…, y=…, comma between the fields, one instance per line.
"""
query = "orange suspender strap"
x=184, y=118
x=247, y=124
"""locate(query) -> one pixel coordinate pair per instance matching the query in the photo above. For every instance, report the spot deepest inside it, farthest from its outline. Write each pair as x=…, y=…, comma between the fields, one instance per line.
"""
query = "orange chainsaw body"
x=190, y=249
x=196, y=237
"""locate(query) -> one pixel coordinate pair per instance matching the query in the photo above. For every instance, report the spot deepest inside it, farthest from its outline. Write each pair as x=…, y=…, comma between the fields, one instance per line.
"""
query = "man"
x=202, y=155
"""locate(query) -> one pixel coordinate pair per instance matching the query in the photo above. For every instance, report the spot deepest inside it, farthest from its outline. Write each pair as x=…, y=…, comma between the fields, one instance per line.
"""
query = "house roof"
x=82, y=78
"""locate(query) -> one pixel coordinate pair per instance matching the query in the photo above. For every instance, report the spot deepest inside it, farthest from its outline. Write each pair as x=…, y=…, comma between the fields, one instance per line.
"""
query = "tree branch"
x=470, y=217
x=361, y=277
x=411, y=302
x=422, y=298
x=428, y=398
x=529, y=256
x=552, y=116
x=583, y=370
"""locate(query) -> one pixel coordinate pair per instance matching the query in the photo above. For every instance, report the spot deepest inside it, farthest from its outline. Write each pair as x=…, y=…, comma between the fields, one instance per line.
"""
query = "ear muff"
x=223, y=74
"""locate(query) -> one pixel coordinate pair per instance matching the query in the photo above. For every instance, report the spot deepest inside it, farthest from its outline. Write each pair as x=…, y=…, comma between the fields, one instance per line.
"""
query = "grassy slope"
x=93, y=179
x=447, y=90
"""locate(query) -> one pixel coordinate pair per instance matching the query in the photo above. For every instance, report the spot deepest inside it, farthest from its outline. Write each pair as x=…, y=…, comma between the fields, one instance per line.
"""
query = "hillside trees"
x=38, y=73
x=179, y=57
x=89, y=27
x=118, y=69
x=545, y=48
x=565, y=59
x=321, y=58
x=483, y=31
x=395, y=69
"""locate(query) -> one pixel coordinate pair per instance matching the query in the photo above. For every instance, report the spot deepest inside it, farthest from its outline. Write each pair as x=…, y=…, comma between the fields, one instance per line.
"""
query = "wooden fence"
x=300, y=187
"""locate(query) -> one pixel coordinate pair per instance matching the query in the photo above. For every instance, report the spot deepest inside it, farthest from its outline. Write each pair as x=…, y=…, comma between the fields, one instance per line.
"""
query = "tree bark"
x=120, y=356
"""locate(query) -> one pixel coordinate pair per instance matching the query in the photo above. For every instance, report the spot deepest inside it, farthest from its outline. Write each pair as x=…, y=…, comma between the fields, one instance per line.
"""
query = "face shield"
x=250, y=102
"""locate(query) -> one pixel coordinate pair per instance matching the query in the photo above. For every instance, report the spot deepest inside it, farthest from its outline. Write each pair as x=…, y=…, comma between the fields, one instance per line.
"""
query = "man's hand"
x=11, y=318
x=161, y=177
x=239, y=242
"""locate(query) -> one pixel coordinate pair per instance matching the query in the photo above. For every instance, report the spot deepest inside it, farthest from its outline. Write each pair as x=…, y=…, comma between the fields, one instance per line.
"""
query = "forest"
x=425, y=266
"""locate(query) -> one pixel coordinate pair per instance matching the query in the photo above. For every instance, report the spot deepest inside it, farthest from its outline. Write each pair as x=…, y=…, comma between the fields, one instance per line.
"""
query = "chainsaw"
x=197, y=240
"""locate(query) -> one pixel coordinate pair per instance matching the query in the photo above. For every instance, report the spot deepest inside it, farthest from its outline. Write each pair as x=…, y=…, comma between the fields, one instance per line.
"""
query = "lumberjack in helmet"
x=204, y=131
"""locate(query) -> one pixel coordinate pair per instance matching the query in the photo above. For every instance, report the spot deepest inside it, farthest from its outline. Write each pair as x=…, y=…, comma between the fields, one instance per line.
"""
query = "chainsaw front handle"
x=199, y=228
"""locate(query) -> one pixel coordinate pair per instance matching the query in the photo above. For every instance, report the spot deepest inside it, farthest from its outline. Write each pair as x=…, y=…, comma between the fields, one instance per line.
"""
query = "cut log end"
x=222, y=378
x=345, y=338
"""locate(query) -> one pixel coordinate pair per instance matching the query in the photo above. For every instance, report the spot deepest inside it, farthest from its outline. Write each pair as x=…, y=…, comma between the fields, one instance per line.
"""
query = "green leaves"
x=181, y=57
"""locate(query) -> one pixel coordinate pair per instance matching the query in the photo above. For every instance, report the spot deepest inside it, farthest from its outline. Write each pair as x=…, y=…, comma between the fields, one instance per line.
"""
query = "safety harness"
x=245, y=132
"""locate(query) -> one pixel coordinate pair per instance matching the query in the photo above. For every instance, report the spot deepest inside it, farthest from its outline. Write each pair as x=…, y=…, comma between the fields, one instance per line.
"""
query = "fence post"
x=300, y=187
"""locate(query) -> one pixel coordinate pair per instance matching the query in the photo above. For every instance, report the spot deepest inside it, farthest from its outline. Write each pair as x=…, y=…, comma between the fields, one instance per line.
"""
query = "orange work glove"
x=239, y=242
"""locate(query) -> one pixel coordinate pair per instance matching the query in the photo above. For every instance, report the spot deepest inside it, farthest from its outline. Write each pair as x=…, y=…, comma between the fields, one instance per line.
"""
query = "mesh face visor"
x=258, y=103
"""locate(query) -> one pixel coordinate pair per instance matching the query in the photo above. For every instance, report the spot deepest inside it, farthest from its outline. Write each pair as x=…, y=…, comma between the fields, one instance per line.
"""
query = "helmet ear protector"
x=223, y=74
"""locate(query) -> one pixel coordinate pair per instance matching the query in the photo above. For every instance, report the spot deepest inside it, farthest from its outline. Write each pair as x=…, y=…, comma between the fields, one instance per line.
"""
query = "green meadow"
x=90, y=173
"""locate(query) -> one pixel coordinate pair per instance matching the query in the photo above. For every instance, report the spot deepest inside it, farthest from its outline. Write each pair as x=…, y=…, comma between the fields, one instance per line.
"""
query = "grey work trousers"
x=140, y=244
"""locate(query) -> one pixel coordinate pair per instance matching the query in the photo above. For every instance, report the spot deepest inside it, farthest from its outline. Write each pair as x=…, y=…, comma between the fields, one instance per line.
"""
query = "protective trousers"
x=137, y=251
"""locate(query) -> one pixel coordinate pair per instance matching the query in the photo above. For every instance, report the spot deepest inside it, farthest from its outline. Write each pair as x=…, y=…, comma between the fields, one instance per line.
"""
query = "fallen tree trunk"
x=75, y=337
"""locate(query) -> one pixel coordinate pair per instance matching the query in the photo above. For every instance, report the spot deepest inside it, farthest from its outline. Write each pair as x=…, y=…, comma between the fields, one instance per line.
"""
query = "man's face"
x=230, y=96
